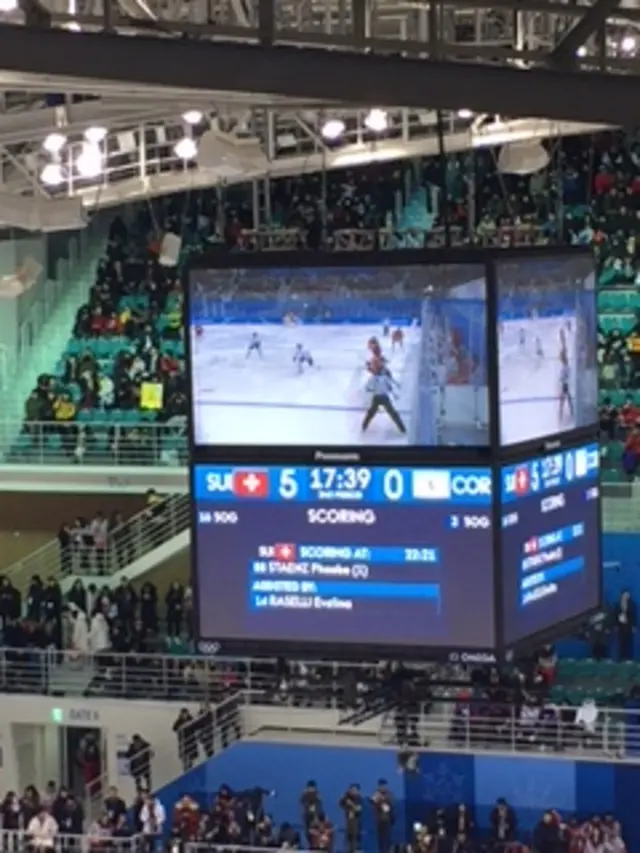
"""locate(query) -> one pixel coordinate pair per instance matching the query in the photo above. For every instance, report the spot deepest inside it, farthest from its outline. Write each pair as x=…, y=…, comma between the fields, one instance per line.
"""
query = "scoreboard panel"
x=550, y=541
x=376, y=556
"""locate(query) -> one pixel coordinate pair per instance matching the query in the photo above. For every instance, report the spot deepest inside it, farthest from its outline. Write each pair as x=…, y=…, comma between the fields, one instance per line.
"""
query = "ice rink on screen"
x=530, y=386
x=240, y=400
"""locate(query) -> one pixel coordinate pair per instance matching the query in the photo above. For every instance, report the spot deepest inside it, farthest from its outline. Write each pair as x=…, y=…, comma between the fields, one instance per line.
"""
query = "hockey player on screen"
x=302, y=358
x=565, y=390
x=539, y=351
x=382, y=387
x=397, y=339
x=255, y=345
x=386, y=328
x=522, y=340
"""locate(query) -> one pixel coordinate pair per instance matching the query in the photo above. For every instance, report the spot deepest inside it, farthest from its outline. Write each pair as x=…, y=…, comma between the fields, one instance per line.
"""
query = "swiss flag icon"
x=284, y=552
x=521, y=481
x=250, y=484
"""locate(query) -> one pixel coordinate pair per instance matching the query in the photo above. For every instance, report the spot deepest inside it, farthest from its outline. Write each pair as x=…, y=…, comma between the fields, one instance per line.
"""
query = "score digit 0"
x=393, y=485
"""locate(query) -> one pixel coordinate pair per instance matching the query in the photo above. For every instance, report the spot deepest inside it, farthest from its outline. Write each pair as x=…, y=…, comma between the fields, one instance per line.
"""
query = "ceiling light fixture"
x=52, y=175
x=192, y=117
x=333, y=128
x=186, y=149
x=89, y=162
x=376, y=120
x=95, y=135
x=54, y=143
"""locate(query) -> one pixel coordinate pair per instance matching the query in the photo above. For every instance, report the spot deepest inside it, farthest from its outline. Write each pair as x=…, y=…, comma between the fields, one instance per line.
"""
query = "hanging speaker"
x=170, y=250
x=523, y=158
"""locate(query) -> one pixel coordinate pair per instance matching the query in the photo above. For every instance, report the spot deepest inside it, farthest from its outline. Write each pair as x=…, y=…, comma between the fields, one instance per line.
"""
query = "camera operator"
x=311, y=805
x=384, y=815
x=351, y=805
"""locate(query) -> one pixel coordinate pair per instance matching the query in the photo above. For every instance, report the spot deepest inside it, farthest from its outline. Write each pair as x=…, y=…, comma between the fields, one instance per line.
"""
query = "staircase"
x=134, y=548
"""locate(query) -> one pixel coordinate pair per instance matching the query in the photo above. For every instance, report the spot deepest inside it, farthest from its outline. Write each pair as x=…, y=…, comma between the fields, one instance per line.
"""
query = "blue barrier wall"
x=621, y=556
x=531, y=784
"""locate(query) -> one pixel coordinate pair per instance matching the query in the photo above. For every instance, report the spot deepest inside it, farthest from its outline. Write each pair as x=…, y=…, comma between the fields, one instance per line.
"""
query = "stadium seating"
x=80, y=412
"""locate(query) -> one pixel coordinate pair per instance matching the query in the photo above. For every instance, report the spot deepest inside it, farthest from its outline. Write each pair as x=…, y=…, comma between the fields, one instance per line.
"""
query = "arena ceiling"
x=140, y=85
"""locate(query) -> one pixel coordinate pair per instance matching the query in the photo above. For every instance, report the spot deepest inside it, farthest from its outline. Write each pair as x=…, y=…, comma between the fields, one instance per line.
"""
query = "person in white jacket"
x=42, y=830
x=152, y=818
x=99, y=639
x=80, y=632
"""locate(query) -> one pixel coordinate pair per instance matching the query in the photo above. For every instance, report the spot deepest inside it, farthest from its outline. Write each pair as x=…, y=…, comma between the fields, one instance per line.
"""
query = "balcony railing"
x=613, y=733
x=21, y=840
x=180, y=678
x=96, y=440
x=229, y=686
x=141, y=534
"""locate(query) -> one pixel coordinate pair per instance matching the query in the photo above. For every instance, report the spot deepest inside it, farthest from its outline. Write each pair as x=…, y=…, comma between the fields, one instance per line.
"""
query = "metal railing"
x=97, y=441
x=470, y=726
x=211, y=729
x=181, y=678
x=20, y=840
x=130, y=541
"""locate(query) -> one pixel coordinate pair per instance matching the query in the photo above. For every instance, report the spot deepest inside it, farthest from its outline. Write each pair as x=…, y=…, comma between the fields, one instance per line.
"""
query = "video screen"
x=547, y=352
x=344, y=555
x=550, y=541
x=385, y=356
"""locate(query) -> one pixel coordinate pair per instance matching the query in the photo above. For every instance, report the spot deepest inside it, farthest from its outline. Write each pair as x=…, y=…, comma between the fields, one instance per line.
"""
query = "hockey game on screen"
x=386, y=356
x=546, y=347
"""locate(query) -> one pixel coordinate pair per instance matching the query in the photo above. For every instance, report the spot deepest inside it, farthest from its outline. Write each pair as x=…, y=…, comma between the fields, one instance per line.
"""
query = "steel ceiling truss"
x=140, y=160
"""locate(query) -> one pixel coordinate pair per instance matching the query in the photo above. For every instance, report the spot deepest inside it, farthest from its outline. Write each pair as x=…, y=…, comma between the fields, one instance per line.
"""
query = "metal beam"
x=564, y=54
x=187, y=67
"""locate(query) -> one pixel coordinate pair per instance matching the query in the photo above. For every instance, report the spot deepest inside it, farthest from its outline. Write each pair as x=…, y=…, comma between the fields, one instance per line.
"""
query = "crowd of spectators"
x=119, y=388
x=100, y=546
x=54, y=819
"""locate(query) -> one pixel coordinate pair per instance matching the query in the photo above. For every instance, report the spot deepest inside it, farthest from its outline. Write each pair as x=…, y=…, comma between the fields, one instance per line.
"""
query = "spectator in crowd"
x=503, y=821
x=351, y=805
x=626, y=622
x=139, y=756
x=42, y=830
x=186, y=733
x=384, y=815
x=152, y=818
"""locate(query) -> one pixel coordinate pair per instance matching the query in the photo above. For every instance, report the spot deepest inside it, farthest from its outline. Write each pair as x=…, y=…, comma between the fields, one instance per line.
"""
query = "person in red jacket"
x=186, y=819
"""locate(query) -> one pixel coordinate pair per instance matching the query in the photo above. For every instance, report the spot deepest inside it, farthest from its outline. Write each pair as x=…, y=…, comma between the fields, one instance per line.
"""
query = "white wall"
x=30, y=744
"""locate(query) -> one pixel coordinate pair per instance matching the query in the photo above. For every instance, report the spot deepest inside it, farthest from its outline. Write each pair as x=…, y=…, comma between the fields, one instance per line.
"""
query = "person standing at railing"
x=139, y=754
x=174, y=603
x=99, y=529
x=42, y=831
x=152, y=818
x=186, y=732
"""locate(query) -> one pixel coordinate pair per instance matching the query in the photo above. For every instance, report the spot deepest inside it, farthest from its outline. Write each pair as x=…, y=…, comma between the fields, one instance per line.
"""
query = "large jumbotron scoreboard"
x=393, y=457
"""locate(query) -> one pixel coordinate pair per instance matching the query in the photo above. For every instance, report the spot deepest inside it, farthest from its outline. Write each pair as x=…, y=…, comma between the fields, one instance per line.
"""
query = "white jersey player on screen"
x=255, y=345
x=302, y=358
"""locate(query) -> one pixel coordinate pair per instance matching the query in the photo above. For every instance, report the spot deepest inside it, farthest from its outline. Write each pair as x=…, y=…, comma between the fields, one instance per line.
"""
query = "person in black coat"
x=626, y=622
x=504, y=824
x=546, y=836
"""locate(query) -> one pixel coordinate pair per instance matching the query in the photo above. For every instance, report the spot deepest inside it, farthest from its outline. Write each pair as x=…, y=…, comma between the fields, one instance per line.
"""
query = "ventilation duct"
x=523, y=158
x=170, y=250
x=230, y=156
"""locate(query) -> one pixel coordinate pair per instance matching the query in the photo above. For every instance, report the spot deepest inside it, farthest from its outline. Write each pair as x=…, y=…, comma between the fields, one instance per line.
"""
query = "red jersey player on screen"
x=397, y=339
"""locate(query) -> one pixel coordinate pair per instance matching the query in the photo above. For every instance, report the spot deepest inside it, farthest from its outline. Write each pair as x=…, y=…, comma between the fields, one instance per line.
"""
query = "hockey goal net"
x=290, y=320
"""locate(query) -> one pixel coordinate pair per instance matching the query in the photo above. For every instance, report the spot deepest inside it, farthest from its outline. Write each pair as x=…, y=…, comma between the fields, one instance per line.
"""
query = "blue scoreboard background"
x=360, y=556
x=394, y=556
x=550, y=541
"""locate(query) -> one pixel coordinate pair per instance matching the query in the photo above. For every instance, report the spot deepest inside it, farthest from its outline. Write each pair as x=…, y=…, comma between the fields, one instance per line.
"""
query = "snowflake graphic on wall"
x=443, y=785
